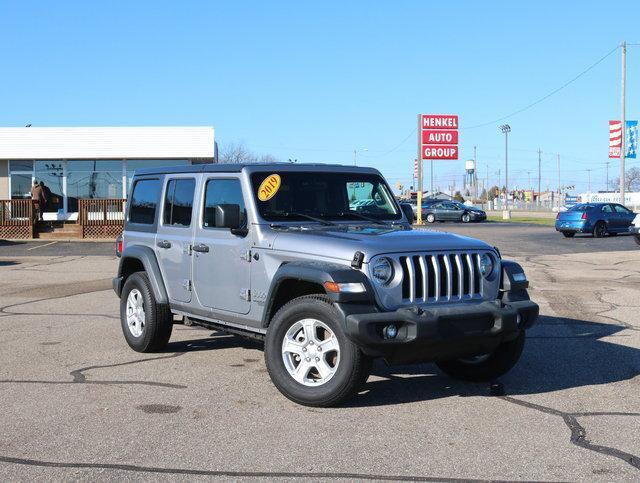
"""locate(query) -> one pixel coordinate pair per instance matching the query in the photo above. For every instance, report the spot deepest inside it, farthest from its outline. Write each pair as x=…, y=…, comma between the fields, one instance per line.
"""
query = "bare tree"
x=235, y=153
x=632, y=180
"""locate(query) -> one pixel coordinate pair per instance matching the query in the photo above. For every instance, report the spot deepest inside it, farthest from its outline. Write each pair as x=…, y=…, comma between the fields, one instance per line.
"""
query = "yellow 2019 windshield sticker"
x=269, y=187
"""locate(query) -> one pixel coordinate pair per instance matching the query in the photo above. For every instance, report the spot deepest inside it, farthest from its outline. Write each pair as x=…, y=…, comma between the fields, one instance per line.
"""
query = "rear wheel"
x=431, y=218
x=146, y=324
x=309, y=358
x=486, y=367
x=568, y=234
x=600, y=229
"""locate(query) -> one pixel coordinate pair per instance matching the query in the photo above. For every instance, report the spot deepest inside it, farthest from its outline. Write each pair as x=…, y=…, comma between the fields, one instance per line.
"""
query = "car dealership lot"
x=78, y=403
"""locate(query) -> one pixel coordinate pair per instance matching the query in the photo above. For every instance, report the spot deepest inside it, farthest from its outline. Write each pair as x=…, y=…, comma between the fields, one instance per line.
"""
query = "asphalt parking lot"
x=77, y=403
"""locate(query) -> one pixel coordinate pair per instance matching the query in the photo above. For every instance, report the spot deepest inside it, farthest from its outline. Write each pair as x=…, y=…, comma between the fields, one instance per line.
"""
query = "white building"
x=92, y=162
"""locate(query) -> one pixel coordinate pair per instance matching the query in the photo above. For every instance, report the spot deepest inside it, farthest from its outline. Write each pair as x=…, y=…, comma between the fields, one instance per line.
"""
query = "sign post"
x=420, y=172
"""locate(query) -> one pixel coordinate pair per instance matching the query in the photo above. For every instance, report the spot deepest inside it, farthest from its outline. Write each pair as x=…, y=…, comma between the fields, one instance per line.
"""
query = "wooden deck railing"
x=101, y=218
x=16, y=218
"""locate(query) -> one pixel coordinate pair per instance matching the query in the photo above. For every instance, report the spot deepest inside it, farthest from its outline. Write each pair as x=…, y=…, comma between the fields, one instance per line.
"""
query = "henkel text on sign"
x=439, y=121
x=439, y=136
x=440, y=152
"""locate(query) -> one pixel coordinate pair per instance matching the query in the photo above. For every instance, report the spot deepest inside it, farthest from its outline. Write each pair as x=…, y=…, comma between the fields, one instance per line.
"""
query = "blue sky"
x=316, y=80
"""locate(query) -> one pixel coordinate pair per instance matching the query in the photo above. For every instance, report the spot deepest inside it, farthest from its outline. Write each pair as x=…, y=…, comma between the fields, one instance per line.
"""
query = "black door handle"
x=200, y=247
x=164, y=244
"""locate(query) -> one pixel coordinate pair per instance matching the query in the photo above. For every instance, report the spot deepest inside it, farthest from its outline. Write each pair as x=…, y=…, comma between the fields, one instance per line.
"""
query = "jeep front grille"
x=440, y=277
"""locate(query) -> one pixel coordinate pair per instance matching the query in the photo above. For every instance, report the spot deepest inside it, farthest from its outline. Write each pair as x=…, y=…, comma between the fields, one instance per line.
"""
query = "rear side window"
x=178, y=202
x=222, y=192
x=144, y=199
x=621, y=209
x=607, y=209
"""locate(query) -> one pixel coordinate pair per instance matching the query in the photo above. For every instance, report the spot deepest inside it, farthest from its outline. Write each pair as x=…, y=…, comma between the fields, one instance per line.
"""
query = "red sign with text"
x=439, y=136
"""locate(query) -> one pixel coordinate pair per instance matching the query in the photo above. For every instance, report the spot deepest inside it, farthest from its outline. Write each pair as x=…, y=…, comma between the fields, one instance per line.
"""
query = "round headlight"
x=486, y=264
x=382, y=271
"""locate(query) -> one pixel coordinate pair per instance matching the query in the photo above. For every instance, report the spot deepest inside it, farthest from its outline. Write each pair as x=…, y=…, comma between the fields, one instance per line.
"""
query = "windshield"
x=295, y=195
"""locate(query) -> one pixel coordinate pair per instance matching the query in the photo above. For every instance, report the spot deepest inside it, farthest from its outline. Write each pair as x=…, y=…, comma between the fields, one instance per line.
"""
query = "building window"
x=92, y=179
x=51, y=175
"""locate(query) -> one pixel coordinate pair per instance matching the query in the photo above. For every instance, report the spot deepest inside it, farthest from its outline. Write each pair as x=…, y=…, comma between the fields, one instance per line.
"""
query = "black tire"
x=497, y=363
x=568, y=234
x=158, y=321
x=613, y=233
x=431, y=218
x=352, y=371
x=466, y=218
x=600, y=229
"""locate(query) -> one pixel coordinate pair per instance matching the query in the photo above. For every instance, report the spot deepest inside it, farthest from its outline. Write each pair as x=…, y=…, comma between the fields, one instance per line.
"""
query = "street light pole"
x=624, y=131
x=506, y=129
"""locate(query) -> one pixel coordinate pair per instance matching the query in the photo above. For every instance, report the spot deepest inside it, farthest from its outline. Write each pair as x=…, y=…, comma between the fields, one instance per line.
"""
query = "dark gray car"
x=322, y=264
x=451, y=211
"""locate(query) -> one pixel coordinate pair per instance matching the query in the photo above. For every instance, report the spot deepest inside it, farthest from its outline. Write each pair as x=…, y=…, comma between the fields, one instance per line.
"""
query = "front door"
x=174, y=236
x=221, y=260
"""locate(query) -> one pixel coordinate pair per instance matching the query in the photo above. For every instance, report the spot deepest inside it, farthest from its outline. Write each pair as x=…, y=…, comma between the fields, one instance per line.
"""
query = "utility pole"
x=607, y=186
x=623, y=153
x=432, y=177
x=475, y=172
x=529, y=179
x=559, y=187
x=506, y=129
x=589, y=171
x=419, y=188
x=486, y=185
x=539, y=172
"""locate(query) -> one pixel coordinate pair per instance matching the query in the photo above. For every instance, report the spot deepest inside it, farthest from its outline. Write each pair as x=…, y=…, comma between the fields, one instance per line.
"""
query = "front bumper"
x=634, y=229
x=440, y=333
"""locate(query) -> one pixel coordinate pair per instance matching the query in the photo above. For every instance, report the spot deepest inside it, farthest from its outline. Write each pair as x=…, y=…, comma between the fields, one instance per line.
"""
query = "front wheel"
x=146, y=324
x=486, y=367
x=466, y=218
x=309, y=358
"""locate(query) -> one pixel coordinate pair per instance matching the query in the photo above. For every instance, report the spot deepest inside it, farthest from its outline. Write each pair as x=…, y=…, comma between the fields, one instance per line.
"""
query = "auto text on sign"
x=437, y=136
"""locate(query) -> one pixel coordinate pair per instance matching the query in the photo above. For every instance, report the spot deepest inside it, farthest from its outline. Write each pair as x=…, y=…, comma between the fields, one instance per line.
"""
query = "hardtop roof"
x=255, y=167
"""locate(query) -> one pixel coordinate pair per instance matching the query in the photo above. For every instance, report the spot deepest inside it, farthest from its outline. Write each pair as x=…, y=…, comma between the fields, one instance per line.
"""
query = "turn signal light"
x=558, y=216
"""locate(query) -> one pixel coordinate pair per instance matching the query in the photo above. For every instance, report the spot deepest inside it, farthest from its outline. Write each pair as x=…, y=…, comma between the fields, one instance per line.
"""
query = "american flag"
x=415, y=168
x=615, y=139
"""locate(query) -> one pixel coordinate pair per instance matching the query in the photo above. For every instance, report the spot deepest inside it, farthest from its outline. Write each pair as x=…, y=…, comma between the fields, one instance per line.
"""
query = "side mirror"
x=408, y=211
x=228, y=216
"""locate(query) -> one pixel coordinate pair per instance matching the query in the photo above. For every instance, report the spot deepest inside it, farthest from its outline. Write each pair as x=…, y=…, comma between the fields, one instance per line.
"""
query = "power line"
x=555, y=91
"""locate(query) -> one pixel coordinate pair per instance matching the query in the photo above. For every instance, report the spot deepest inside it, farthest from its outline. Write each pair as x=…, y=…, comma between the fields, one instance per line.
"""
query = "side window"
x=178, y=202
x=222, y=192
x=621, y=209
x=144, y=199
x=607, y=209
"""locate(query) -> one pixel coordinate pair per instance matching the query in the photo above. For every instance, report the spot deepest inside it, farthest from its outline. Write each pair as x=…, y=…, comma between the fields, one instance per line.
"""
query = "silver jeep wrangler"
x=321, y=263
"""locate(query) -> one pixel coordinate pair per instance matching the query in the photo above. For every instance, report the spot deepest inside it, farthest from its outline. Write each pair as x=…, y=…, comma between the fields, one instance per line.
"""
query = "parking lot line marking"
x=40, y=246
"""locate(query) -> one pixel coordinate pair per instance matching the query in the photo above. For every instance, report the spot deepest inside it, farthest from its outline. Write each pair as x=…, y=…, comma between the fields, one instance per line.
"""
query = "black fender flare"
x=319, y=273
x=150, y=263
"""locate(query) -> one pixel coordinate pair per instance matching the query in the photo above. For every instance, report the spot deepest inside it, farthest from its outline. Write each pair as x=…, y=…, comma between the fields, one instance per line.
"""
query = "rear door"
x=174, y=235
x=221, y=260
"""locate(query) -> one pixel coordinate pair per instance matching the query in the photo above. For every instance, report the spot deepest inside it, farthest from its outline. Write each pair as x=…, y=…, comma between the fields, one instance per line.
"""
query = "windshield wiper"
x=363, y=217
x=289, y=214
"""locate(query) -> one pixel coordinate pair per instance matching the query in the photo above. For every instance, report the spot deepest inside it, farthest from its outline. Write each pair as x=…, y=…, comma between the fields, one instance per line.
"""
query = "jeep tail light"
x=119, y=246
x=584, y=215
x=558, y=216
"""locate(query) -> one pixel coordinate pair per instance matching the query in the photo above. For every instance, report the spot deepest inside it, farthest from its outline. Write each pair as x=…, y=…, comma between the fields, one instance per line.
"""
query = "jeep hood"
x=342, y=242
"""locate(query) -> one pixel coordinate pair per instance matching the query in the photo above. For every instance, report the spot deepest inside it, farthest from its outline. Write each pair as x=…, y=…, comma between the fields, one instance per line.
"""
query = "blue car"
x=597, y=218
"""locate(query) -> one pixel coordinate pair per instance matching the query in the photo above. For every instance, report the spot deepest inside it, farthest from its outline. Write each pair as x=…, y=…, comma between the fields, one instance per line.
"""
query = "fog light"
x=390, y=331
